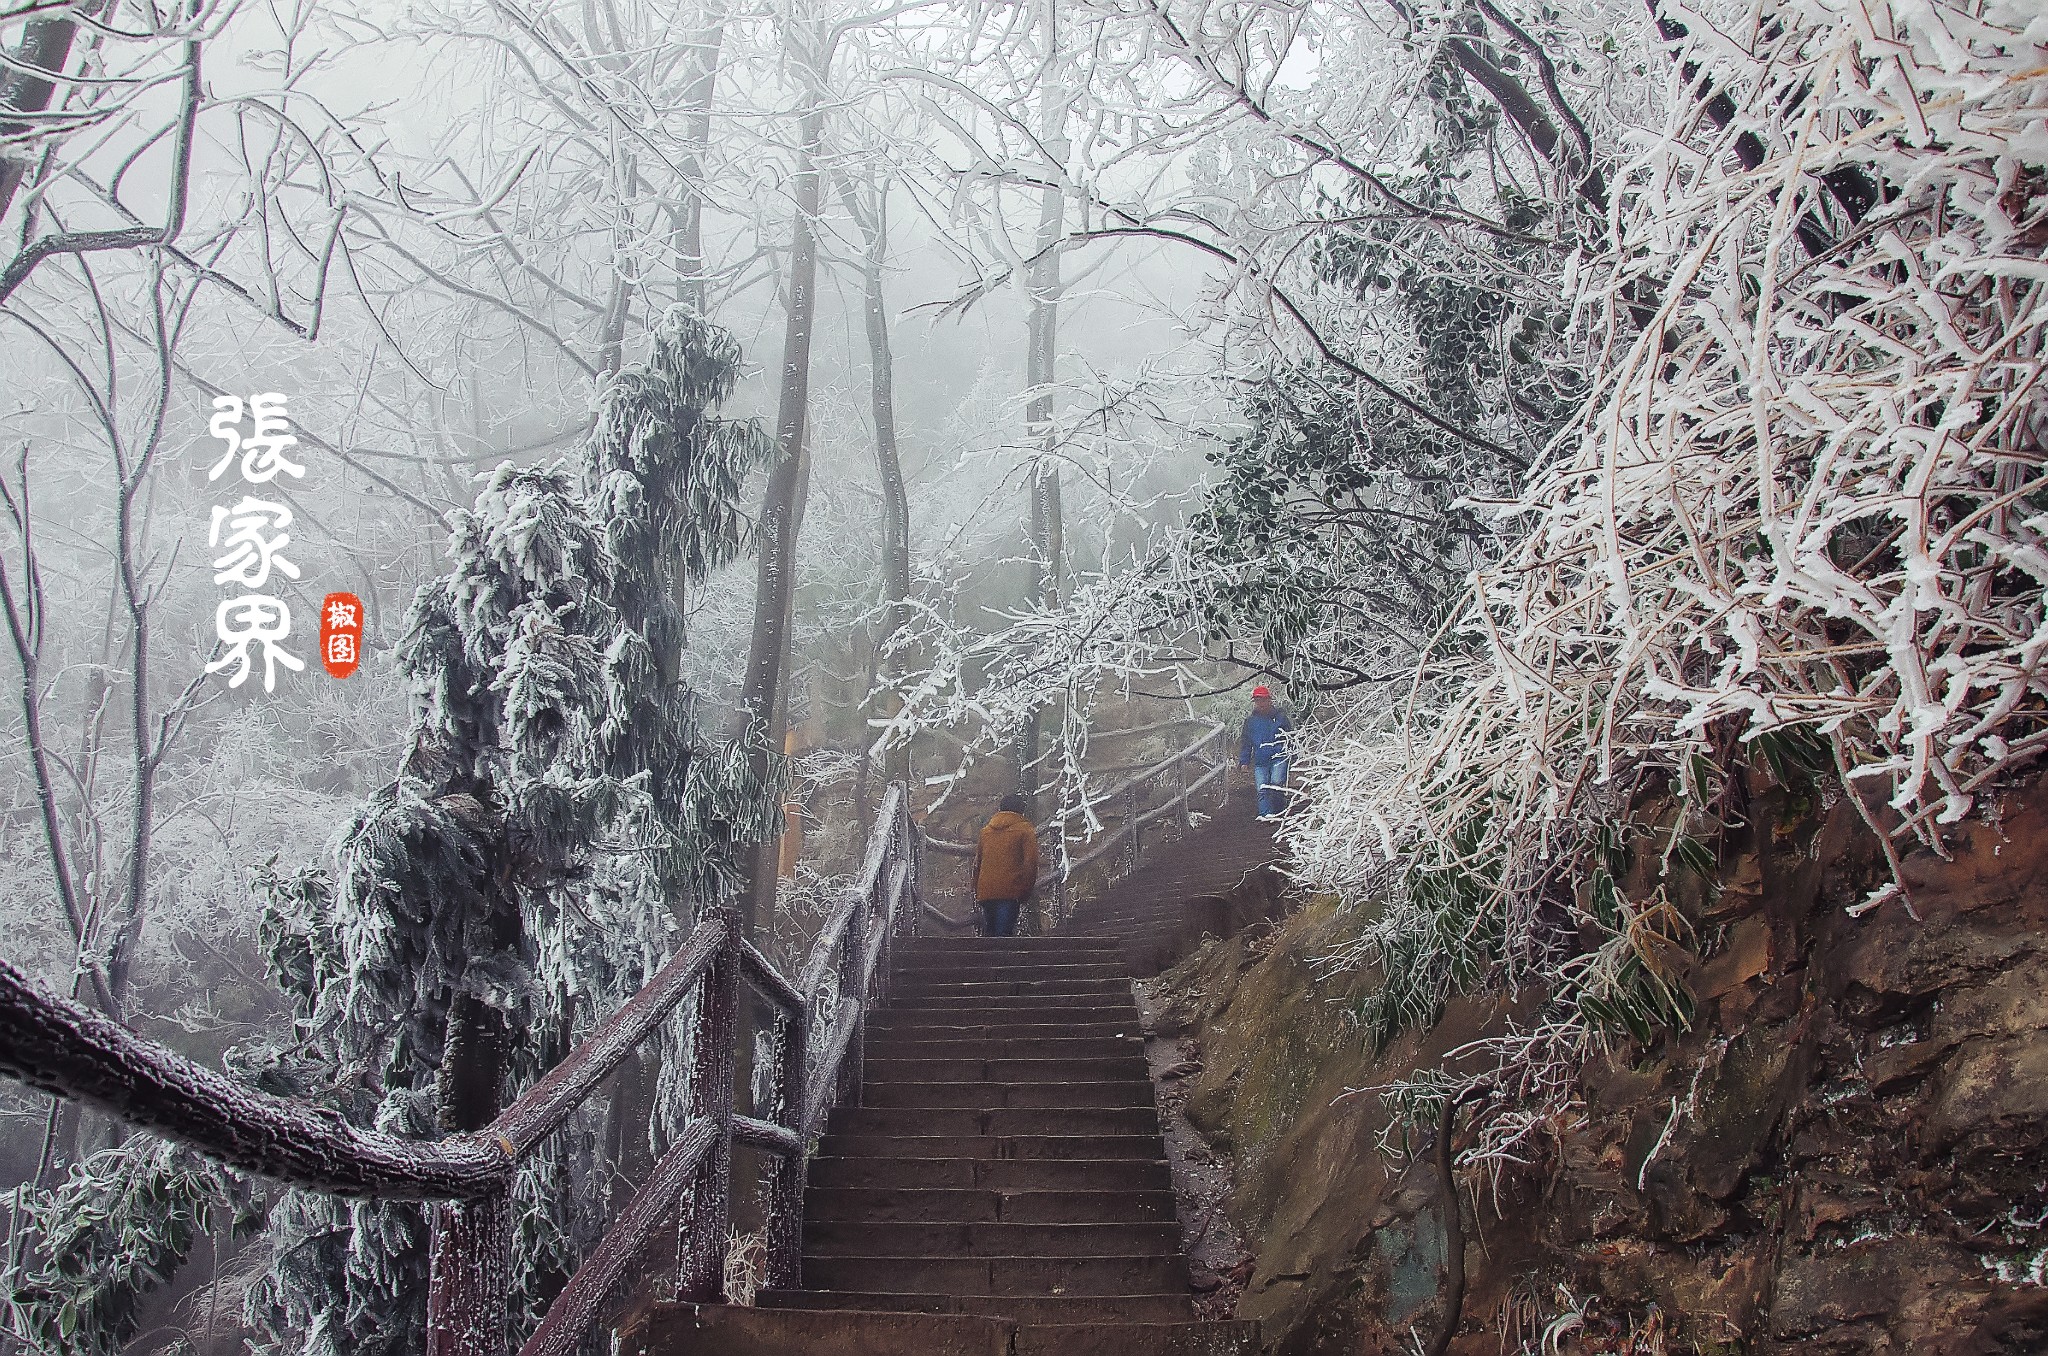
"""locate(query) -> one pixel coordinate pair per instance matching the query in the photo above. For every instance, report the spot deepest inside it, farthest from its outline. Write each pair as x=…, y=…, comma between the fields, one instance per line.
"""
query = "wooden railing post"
x=852, y=948
x=469, y=1277
x=1061, y=903
x=786, y=1178
x=899, y=850
x=1131, y=826
x=707, y=1217
x=915, y=913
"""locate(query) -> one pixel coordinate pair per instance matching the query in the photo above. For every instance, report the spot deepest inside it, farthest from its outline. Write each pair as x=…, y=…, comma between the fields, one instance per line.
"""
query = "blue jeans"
x=1272, y=783
x=999, y=917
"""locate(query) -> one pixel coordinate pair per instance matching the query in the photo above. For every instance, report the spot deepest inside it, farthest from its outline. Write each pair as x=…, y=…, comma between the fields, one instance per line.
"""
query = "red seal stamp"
x=341, y=634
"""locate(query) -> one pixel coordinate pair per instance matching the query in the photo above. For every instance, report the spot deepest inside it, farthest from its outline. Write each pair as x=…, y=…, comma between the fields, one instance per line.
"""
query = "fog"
x=697, y=418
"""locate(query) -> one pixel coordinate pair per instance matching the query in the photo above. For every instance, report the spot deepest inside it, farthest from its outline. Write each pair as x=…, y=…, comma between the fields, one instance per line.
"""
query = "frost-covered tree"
x=556, y=820
x=1343, y=521
x=1796, y=528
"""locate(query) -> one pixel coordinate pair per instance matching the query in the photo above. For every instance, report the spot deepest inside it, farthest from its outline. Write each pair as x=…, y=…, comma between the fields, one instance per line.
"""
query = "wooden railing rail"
x=1129, y=833
x=1134, y=826
x=61, y=1048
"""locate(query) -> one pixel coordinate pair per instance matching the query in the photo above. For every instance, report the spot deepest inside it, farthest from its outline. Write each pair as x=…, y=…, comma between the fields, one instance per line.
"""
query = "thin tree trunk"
x=618, y=310
x=698, y=98
x=1041, y=354
x=782, y=509
x=888, y=461
x=25, y=621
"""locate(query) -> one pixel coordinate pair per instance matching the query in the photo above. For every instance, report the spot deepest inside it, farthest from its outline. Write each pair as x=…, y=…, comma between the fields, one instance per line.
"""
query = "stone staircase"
x=1003, y=1189
x=1159, y=911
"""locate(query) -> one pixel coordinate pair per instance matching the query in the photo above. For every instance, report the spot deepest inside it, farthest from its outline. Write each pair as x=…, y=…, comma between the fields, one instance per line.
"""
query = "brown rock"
x=1748, y=954
x=1993, y=1087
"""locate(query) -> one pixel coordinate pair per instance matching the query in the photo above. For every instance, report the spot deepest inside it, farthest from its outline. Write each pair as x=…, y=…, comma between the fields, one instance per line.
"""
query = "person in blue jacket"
x=1264, y=750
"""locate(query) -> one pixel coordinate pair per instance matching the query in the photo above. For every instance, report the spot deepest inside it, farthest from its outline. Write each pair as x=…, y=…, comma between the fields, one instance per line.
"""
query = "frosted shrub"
x=117, y=1226
x=1803, y=513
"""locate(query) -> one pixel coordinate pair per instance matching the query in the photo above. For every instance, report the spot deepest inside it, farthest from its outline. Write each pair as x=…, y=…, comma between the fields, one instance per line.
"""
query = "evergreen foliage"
x=1341, y=526
x=558, y=811
x=115, y=1228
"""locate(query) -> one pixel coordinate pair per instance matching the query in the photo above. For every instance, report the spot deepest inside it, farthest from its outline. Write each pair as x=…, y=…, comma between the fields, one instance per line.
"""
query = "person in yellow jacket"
x=1005, y=867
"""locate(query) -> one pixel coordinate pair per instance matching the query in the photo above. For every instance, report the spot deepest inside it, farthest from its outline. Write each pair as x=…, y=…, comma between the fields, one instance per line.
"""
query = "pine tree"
x=537, y=856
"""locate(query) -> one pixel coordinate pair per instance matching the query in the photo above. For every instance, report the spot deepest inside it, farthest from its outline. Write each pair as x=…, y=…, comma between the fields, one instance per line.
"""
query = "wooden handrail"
x=53, y=1044
x=1157, y=812
x=844, y=1027
x=1058, y=824
x=1137, y=779
x=568, y=1321
x=61, y=1048
x=548, y=1103
x=1134, y=823
x=768, y=979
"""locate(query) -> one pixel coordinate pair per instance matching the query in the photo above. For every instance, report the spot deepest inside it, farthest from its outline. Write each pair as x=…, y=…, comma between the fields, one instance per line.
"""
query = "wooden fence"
x=64, y=1049
x=1180, y=775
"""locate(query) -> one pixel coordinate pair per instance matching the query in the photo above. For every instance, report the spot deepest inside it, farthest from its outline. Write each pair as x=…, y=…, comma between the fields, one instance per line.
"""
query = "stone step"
x=1032, y=987
x=986, y=1096
x=730, y=1330
x=1089, y=1068
x=1059, y=1309
x=1063, y=1004
x=1138, y=1339
x=964, y=971
x=1010, y=1014
x=957, y=1239
x=1086, y=952
x=1032, y=1205
x=1101, y=1275
x=998, y=1039
x=1056, y=946
x=1136, y=912
x=1111, y=1175
x=1006, y=1024
x=779, y=1330
x=1063, y=1120
x=1135, y=918
x=1022, y=1147
x=992, y=1042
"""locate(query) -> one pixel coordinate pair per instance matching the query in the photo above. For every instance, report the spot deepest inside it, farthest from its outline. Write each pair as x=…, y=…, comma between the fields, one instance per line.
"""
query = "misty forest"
x=924, y=677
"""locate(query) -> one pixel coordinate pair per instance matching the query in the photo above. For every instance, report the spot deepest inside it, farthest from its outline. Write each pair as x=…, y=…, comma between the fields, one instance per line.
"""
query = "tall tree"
x=871, y=217
x=1041, y=370
x=764, y=691
x=517, y=879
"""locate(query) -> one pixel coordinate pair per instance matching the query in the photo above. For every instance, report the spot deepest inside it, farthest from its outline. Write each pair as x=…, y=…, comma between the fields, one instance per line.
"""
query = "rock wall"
x=1847, y=1153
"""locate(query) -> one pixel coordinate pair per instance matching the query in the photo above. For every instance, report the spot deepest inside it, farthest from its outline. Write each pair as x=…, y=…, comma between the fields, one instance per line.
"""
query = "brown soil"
x=1845, y=1154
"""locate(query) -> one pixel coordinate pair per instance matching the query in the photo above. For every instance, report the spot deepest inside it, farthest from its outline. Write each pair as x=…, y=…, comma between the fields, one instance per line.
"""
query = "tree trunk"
x=782, y=510
x=45, y=46
x=472, y=1066
x=618, y=306
x=689, y=219
x=1041, y=354
x=874, y=228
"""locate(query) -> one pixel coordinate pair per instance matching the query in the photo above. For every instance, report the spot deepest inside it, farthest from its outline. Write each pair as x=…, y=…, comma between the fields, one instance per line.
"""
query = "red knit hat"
x=1262, y=691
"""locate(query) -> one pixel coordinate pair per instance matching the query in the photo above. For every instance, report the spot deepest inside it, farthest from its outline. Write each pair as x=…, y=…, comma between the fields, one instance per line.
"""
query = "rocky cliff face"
x=1847, y=1153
